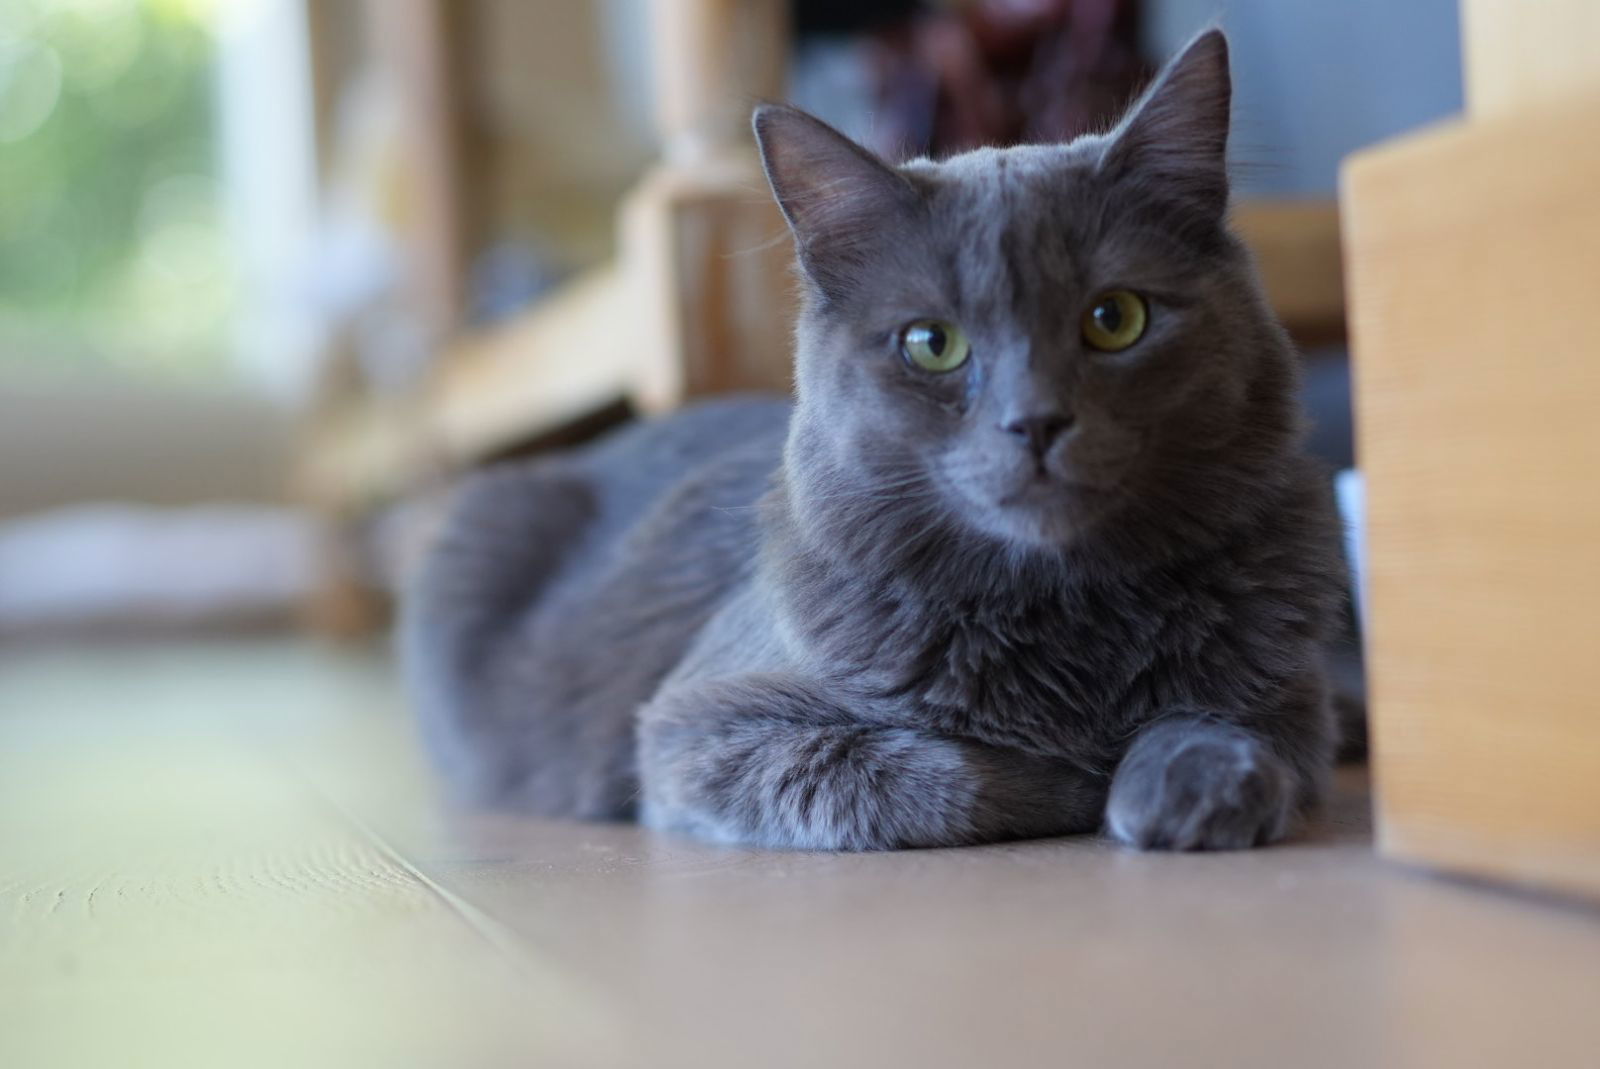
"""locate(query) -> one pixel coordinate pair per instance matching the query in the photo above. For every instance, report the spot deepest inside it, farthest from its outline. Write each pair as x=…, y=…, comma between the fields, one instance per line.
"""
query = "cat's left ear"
x=1176, y=134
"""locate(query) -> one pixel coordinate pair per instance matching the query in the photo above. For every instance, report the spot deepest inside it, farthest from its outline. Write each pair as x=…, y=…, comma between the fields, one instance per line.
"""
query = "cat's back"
x=630, y=468
x=563, y=590
x=671, y=495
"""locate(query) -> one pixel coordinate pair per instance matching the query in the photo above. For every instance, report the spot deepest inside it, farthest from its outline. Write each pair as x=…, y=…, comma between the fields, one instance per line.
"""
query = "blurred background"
x=272, y=270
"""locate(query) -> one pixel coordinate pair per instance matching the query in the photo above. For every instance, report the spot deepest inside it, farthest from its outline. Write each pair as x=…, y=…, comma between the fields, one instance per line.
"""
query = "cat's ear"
x=838, y=197
x=1176, y=133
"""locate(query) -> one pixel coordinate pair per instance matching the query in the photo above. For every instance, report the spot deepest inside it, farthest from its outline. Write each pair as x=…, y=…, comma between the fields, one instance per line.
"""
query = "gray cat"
x=1034, y=552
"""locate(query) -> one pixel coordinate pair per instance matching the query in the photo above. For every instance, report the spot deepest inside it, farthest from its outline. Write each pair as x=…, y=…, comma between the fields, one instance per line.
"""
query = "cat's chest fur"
x=1067, y=672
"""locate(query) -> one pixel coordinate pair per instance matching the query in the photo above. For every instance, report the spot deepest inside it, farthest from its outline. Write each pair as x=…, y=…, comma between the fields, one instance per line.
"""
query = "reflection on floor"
x=232, y=855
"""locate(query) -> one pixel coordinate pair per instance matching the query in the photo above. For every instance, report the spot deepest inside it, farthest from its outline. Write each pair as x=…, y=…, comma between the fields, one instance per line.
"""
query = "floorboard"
x=233, y=854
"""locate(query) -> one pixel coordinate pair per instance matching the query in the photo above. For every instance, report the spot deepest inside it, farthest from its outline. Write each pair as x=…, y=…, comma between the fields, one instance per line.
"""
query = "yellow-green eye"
x=1115, y=321
x=934, y=345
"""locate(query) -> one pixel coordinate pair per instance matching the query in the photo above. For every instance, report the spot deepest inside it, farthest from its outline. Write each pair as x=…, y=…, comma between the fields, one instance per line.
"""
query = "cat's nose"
x=1039, y=431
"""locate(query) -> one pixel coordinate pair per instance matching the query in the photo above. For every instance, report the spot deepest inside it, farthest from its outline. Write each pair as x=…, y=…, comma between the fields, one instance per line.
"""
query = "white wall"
x=1316, y=79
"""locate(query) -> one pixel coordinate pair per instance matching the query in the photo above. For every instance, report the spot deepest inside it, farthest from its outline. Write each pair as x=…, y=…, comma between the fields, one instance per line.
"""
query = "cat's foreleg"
x=1190, y=781
x=769, y=760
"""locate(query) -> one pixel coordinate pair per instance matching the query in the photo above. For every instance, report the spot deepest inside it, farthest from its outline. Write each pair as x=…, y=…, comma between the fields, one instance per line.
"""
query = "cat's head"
x=1029, y=341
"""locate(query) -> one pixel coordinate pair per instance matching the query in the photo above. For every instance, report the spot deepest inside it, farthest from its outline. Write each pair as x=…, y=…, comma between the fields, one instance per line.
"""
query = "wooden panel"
x=572, y=354
x=413, y=43
x=1520, y=55
x=711, y=60
x=711, y=266
x=1474, y=255
x=705, y=246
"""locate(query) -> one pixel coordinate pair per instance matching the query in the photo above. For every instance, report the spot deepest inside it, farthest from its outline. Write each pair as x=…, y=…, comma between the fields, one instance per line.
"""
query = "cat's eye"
x=935, y=345
x=1115, y=321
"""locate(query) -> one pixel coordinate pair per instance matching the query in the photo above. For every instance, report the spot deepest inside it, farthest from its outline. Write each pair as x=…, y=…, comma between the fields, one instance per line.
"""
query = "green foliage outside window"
x=112, y=249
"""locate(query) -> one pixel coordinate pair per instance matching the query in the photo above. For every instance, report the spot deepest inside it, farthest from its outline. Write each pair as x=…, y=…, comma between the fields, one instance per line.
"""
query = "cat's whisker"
x=780, y=237
x=910, y=489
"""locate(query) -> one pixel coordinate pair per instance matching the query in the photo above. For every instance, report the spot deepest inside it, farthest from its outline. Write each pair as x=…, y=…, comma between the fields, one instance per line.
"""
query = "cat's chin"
x=1046, y=520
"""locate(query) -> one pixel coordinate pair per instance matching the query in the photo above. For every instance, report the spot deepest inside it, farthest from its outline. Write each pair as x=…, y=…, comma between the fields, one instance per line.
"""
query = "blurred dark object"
x=1325, y=391
x=850, y=16
x=955, y=76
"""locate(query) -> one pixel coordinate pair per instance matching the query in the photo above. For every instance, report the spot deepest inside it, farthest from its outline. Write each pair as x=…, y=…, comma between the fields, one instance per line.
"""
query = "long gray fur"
x=881, y=619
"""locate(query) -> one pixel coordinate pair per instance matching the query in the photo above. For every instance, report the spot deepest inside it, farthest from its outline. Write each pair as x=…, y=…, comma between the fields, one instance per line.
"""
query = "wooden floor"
x=231, y=856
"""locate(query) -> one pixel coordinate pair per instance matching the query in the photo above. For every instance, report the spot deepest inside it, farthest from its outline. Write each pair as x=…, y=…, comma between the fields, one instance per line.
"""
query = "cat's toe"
x=1209, y=795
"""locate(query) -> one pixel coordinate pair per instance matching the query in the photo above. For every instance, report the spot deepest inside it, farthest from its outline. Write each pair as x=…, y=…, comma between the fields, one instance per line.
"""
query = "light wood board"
x=232, y=855
x=1474, y=255
x=1521, y=56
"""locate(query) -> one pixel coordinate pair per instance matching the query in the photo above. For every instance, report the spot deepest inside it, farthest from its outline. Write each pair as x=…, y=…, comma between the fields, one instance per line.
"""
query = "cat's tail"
x=505, y=535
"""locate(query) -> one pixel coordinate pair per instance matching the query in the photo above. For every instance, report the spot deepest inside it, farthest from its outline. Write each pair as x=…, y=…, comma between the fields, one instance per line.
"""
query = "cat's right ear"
x=837, y=196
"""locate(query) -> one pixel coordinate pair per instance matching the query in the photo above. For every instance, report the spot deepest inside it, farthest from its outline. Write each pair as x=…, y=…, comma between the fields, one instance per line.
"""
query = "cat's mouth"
x=1043, y=490
x=1046, y=507
x=1052, y=511
x=1047, y=512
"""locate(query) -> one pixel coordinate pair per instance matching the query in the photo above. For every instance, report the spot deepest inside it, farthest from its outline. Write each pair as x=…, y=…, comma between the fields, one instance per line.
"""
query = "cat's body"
x=565, y=590
x=1008, y=582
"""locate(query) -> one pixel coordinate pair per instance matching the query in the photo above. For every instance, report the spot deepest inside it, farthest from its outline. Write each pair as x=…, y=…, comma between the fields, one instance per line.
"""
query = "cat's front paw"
x=1200, y=787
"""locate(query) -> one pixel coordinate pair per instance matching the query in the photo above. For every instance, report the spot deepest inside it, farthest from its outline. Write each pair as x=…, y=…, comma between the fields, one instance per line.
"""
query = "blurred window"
x=113, y=251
